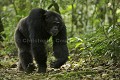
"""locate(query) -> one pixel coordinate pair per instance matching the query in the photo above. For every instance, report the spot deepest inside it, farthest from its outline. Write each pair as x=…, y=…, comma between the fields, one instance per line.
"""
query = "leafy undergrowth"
x=77, y=68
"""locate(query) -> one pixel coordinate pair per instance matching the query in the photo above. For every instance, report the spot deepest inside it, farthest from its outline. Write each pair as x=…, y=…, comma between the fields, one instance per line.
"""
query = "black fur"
x=31, y=34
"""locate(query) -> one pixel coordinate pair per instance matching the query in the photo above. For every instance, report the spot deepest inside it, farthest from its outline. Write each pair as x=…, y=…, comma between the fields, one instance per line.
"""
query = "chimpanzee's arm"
x=60, y=48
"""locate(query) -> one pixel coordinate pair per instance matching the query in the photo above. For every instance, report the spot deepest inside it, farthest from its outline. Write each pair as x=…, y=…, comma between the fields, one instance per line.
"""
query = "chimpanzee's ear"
x=46, y=13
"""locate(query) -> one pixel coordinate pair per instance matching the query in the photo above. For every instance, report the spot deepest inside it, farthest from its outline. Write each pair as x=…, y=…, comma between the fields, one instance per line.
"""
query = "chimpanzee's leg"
x=40, y=56
x=25, y=57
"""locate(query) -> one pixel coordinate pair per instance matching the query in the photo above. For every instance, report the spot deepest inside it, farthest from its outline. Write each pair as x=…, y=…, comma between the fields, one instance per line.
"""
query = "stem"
x=14, y=6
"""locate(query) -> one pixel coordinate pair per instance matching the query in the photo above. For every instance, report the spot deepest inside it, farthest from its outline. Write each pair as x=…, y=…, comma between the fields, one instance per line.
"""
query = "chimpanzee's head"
x=54, y=23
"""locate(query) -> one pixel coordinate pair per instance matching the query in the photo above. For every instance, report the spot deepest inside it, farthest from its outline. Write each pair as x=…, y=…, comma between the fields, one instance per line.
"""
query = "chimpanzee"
x=31, y=34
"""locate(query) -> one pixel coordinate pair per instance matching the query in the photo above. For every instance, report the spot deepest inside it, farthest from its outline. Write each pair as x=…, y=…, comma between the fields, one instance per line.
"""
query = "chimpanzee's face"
x=54, y=23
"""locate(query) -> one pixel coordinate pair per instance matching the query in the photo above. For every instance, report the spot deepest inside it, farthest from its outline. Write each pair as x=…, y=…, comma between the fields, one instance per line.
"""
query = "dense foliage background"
x=93, y=29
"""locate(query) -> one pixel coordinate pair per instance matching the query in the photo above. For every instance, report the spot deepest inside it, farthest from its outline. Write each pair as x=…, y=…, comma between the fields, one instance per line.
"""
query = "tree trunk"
x=1, y=29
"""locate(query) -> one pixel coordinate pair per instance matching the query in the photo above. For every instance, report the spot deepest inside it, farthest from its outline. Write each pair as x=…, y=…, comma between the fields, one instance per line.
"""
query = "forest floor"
x=76, y=68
